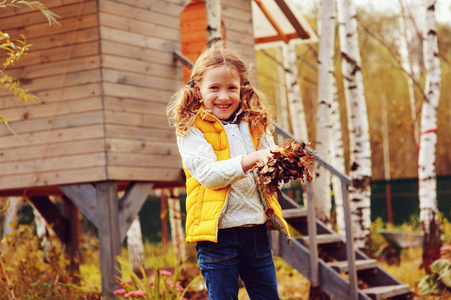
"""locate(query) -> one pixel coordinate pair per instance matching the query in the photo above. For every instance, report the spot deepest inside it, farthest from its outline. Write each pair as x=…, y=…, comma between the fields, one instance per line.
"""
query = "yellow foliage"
x=15, y=50
x=36, y=271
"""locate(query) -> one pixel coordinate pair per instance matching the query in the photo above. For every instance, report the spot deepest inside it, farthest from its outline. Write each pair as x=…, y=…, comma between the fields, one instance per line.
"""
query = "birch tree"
x=405, y=29
x=213, y=10
x=360, y=150
x=337, y=156
x=135, y=245
x=428, y=139
x=43, y=232
x=11, y=214
x=321, y=186
x=297, y=113
x=282, y=91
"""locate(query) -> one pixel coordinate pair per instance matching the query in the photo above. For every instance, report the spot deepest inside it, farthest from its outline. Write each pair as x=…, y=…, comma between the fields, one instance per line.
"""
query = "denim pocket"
x=261, y=242
x=224, y=249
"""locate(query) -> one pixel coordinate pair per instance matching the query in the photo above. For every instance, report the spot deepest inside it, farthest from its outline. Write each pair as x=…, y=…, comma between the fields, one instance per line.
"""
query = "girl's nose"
x=223, y=95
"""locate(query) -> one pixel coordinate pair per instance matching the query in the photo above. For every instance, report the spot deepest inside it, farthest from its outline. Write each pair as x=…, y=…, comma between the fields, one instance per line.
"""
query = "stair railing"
x=345, y=183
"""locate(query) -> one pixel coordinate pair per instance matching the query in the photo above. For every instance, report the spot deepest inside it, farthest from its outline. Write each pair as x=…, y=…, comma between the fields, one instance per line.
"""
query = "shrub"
x=33, y=273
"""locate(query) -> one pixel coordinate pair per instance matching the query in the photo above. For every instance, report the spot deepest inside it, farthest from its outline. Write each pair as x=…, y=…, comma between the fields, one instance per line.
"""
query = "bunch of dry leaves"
x=290, y=162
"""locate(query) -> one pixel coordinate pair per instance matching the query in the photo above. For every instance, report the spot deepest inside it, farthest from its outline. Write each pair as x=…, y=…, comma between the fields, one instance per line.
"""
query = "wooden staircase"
x=374, y=282
x=332, y=263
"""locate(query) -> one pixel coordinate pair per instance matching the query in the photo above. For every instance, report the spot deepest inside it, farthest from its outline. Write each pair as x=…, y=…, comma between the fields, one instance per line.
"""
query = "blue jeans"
x=240, y=251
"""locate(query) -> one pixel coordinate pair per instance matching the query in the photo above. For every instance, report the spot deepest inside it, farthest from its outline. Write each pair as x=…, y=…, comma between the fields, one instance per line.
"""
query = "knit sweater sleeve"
x=200, y=160
x=266, y=141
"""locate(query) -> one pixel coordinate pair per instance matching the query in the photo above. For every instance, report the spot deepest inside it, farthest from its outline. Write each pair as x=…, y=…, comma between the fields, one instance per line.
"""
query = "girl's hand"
x=261, y=156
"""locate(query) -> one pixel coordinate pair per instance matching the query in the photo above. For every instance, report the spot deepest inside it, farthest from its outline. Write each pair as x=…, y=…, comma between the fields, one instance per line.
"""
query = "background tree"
x=321, y=183
x=360, y=158
x=428, y=140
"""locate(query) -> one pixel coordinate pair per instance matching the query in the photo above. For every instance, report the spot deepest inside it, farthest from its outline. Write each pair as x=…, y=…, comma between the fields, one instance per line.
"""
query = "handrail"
x=350, y=254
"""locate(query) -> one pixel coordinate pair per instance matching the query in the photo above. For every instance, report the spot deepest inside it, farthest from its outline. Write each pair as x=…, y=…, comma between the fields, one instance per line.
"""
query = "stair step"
x=322, y=239
x=388, y=291
x=360, y=264
x=293, y=213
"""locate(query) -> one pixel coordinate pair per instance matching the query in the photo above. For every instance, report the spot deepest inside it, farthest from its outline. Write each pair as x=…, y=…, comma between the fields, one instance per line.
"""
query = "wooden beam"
x=84, y=197
x=109, y=234
x=52, y=216
x=272, y=21
x=131, y=203
x=293, y=20
x=178, y=56
x=274, y=38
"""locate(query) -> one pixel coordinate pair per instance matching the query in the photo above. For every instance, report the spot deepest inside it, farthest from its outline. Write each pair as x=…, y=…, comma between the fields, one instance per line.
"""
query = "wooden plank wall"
x=103, y=80
x=139, y=77
x=60, y=137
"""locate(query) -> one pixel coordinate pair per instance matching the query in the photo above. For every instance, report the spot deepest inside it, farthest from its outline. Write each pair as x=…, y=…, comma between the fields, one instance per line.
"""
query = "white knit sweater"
x=243, y=205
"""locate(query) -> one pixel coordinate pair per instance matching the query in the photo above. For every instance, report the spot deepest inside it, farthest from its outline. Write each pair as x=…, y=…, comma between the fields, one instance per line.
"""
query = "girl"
x=220, y=119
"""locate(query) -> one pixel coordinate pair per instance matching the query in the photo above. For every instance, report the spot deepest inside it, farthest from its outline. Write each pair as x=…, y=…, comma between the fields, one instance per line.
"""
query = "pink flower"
x=137, y=293
x=165, y=273
x=151, y=283
x=129, y=281
x=120, y=292
x=140, y=293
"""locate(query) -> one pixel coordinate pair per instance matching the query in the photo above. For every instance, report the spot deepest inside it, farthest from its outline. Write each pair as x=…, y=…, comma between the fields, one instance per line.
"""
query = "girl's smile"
x=220, y=91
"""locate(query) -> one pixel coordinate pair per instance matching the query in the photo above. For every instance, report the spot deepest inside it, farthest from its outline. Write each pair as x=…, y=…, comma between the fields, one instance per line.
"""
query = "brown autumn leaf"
x=291, y=162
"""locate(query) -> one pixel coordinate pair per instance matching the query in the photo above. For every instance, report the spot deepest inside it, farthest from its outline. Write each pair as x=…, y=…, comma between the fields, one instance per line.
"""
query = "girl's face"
x=220, y=91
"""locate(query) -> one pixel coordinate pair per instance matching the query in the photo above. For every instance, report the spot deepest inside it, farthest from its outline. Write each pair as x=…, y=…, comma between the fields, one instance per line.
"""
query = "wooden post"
x=164, y=219
x=388, y=200
x=109, y=234
x=72, y=215
x=177, y=236
x=313, y=247
x=350, y=252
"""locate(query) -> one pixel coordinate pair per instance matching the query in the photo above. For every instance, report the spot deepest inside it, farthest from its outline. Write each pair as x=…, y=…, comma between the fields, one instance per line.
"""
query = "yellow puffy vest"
x=203, y=205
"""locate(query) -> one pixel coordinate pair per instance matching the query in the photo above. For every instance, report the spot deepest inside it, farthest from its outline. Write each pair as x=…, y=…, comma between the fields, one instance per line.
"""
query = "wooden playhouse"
x=103, y=79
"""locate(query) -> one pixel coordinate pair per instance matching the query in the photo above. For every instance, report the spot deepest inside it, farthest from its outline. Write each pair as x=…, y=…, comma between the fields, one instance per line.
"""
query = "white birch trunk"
x=297, y=113
x=337, y=160
x=213, y=10
x=135, y=245
x=428, y=140
x=321, y=185
x=42, y=231
x=11, y=215
x=282, y=91
x=407, y=65
x=360, y=149
x=177, y=233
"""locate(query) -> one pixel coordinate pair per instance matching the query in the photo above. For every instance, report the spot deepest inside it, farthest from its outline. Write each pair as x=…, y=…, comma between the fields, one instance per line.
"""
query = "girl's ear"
x=197, y=90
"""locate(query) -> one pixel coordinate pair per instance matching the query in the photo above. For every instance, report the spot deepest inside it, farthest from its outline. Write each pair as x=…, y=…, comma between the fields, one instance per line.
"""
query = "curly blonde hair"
x=185, y=104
